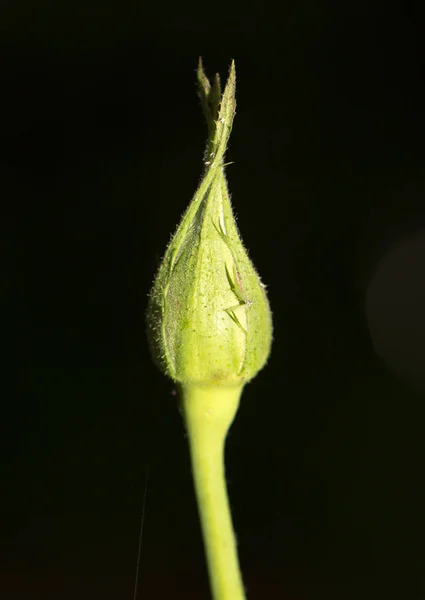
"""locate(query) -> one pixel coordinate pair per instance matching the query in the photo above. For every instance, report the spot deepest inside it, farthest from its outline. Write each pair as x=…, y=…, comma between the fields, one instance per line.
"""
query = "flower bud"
x=209, y=320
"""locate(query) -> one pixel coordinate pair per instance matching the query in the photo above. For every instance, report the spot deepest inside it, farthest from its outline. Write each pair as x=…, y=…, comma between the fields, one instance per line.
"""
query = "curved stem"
x=208, y=413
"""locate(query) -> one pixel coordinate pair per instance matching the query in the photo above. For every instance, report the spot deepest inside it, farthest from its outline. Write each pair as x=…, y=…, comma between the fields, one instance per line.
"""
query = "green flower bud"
x=209, y=320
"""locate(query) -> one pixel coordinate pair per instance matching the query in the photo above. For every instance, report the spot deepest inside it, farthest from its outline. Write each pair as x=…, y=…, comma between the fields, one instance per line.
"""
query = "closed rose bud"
x=210, y=330
x=209, y=320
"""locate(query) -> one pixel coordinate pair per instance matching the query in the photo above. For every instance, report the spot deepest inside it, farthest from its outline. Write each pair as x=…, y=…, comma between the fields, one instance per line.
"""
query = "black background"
x=101, y=146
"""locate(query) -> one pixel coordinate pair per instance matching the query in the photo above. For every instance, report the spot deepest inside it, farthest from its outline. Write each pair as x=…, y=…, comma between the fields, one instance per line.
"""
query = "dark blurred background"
x=101, y=148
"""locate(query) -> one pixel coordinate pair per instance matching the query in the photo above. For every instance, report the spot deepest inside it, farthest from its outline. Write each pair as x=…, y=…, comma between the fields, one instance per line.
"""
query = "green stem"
x=208, y=413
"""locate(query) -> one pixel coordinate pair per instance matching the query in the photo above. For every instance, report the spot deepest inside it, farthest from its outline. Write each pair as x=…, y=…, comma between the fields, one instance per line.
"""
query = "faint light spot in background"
x=395, y=309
